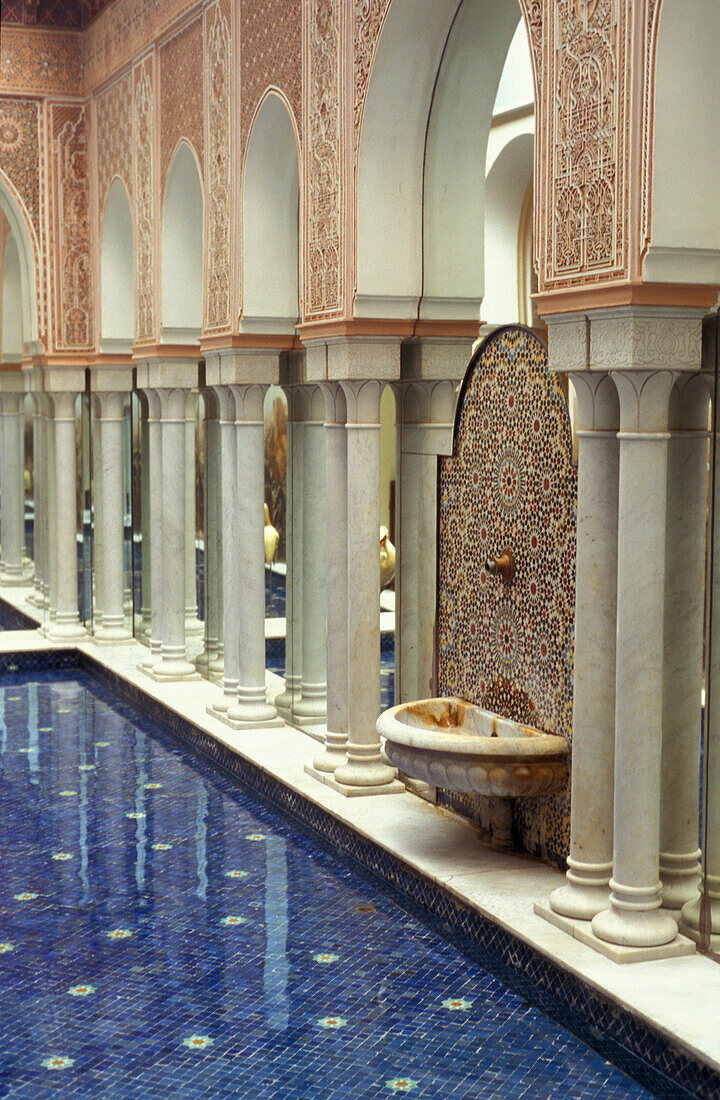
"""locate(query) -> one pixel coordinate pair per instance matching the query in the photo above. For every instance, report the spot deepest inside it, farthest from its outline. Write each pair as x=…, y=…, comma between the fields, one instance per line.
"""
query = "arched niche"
x=271, y=196
x=24, y=244
x=117, y=272
x=420, y=206
x=685, y=212
x=182, y=250
x=506, y=191
x=12, y=295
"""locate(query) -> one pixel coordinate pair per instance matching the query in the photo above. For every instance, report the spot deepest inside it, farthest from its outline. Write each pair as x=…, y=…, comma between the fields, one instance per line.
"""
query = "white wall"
x=117, y=272
x=271, y=210
x=506, y=188
x=182, y=250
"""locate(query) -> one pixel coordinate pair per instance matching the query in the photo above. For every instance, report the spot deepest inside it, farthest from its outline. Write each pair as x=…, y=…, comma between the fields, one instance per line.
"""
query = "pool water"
x=163, y=934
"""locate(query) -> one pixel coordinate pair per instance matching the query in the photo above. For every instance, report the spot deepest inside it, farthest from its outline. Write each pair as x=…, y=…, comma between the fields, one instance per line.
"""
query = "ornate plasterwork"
x=20, y=152
x=324, y=177
x=587, y=114
x=73, y=269
x=181, y=94
x=123, y=31
x=369, y=17
x=145, y=240
x=40, y=62
x=637, y=339
x=218, y=212
x=270, y=56
x=114, y=135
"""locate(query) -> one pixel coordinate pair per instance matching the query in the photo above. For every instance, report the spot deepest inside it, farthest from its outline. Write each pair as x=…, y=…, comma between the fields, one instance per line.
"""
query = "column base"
x=64, y=632
x=334, y=756
x=393, y=787
x=246, y=723
x=690, y=917
x=288, y=699
x=169, y=670
x=194, y=626
x=634, y=927
x=586, y=892
x=364, y=768
x=15, y=580
x=113, y=635
x=581, y=930
x=680, y=877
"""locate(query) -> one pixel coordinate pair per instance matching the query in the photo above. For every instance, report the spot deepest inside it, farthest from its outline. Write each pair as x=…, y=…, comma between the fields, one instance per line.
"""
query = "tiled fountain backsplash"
x=511, y=483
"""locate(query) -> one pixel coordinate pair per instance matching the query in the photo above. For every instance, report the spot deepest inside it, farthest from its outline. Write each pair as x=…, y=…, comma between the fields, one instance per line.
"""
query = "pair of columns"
x=642, y=435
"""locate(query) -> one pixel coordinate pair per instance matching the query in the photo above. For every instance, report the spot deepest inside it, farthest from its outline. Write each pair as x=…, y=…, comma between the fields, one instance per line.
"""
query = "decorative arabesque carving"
x=73, y=326
x=218, y=210
x=114, y=135
x=324, y=269
x=144, y=204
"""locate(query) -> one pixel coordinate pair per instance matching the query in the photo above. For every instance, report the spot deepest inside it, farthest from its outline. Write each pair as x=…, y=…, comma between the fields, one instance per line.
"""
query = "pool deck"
x=677, y=998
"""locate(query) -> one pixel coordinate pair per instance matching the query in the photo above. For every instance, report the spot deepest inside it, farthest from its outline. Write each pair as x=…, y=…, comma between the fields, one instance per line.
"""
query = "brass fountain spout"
x=504, y=566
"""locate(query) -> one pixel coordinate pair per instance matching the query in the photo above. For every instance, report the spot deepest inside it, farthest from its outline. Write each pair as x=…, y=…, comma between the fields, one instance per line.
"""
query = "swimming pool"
x=163, y=933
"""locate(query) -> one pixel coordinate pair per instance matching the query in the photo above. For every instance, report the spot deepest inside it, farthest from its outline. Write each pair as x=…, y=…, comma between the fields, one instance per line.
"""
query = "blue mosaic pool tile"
x=662, y=1069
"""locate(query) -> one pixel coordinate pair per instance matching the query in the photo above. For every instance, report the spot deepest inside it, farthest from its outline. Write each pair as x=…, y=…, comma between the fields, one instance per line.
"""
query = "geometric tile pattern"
x=510, y=482
x=164, y=934
x=646, y=1055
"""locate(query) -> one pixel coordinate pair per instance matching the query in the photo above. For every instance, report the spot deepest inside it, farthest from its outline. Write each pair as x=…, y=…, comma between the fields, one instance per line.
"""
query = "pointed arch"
x=182, y=248
x=117, y=271
x=508, y=179
x=420, y=196
x=271, y=219
x=27, y=250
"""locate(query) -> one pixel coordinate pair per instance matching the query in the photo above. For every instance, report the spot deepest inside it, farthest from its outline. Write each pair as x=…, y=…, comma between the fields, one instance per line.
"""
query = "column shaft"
x=229, y=552
x=12, y=570
x=312, y=706
x=66, y=624
x=111, y=425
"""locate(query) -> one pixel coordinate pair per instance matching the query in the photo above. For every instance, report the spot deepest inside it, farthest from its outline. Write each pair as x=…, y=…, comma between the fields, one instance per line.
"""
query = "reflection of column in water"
x=84, y=780
x=141, y=778
x=277, y=967
x=201, y=840
x=33, y=737
x=3, y=724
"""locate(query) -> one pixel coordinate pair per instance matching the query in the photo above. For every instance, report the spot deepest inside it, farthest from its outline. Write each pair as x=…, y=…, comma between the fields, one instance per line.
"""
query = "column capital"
x=362, y=398
x=644, y=400
x=428, y=358
x=335, y=404
x=341, y=358
x=158, y=372
x=249, y=399
x=110, y=404
x=598, y=408
x=646, y=338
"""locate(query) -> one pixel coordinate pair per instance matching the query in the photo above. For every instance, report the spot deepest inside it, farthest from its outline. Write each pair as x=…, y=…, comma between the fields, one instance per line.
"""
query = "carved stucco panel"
x=218, y=211
x=114, y=135
x=181, y=94
x=270, y=56
x=40, y=62
x=73, y=321
x=324, y=175
x=646, y=340
x=144, y=107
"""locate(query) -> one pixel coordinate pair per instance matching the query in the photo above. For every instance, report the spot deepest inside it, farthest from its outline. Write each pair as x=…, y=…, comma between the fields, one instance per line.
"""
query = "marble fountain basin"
x=461, y=747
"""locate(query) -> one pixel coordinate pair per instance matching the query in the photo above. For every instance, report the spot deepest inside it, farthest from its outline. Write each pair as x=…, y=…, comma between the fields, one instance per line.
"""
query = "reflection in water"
x=83, y=801
x=201, y=839
x=140, y=823
x=33, y=755
x=277, y=967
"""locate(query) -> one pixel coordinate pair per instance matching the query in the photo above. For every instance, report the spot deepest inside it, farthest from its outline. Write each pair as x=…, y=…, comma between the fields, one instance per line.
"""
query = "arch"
x=506, y=187
x=182, y=249
x=117, y=271
x=685, y=207
x=12, y=294
x=24, y=237
x=425, y=130
x=271, y=218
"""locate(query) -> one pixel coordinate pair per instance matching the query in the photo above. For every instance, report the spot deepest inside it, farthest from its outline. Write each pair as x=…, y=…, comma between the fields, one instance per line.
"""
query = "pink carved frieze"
x=510, y=483
x=270, y=56
x=73, y=322
x=218, y=170
x=41, y=62
x=181, y=94
x=325, y=132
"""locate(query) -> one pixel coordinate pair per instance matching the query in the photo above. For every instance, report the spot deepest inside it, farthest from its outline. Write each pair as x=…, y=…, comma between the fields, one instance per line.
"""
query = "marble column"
x=229, y=550
x=289, y=697
x=13, y=570
x=51, y=545
x=683, y=643
x=111, y=425
x=193, y=625
x=153, y=510
x=336, y=570
x=251, y=709
x=364, y=770
x=593, y=750
x=173, y=664
x=211, y=657
x=66, y=624
x=37, y=598
x=311, y=708
x=700, y=916
x=97, y=516
x=635, y=918
x=145, y=520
